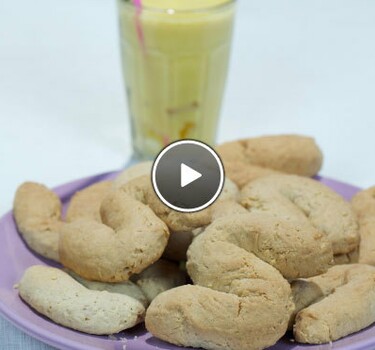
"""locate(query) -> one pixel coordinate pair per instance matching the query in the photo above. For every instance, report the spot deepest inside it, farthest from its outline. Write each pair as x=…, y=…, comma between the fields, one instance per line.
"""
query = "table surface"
x=297, y=67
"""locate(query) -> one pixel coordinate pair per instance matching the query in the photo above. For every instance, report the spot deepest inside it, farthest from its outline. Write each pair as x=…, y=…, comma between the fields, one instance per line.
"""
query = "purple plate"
x=15, y=257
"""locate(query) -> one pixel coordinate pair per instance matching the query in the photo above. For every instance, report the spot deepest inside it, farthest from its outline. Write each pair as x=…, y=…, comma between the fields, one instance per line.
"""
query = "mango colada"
x=175, y=59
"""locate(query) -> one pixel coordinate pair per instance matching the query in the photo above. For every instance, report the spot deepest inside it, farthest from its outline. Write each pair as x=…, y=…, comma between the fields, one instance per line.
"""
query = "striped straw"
x=138, y=24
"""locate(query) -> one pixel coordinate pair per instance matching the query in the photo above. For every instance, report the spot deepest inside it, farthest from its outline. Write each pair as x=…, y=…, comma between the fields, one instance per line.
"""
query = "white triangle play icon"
x=188, y=175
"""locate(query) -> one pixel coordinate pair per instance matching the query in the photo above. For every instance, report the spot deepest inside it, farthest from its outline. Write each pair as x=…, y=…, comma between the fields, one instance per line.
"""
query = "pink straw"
x=138, y=24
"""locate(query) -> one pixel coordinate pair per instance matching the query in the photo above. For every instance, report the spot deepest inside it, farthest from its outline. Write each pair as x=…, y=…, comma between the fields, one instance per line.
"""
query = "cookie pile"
x=277, y=251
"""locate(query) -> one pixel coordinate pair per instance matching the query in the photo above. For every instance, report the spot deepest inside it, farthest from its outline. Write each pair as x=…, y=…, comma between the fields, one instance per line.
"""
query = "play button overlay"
x=188, y=176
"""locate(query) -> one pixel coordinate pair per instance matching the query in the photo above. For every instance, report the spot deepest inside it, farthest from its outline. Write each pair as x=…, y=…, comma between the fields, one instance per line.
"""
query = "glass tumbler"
x=175, y=57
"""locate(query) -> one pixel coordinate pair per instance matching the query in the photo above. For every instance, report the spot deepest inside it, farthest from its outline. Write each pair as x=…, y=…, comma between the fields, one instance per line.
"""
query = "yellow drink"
x=175, y=59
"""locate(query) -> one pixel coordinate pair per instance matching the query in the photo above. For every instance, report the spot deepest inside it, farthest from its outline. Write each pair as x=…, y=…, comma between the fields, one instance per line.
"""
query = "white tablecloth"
x=297, y=67
x=11, y=338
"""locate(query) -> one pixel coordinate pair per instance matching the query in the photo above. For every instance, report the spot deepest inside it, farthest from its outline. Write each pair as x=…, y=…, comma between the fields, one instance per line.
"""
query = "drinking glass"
x=175, y=59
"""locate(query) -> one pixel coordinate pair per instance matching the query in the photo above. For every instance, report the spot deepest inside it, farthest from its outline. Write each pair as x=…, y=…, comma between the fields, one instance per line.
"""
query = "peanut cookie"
x=129, y=239
x=58, y=296
x=240, y=300
x=364, y=205
x=248, y=159
x=131, y=173
x=127, y=288
x=335, y=304
x=159, y=277
x=37, y=212
x=85, y=204
x=305, y=202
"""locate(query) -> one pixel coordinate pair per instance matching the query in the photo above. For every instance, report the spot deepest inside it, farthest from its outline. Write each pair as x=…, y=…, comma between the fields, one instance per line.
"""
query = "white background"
x=297, y=66
x=303, y=66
